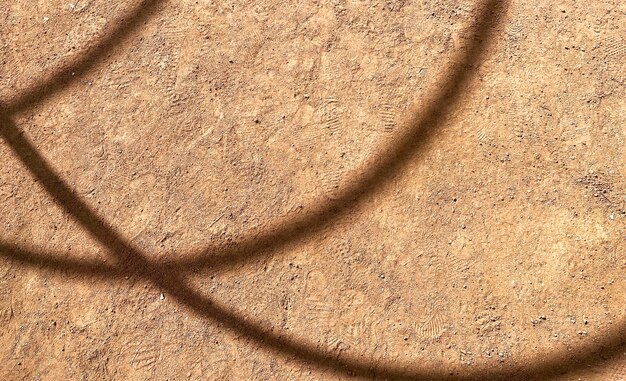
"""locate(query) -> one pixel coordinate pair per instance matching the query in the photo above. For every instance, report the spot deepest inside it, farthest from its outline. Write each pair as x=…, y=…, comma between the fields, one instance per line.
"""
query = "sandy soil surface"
x=312, y=190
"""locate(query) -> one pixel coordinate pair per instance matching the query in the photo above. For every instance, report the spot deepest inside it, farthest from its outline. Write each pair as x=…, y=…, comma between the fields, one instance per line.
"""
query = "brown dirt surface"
x=312, y=190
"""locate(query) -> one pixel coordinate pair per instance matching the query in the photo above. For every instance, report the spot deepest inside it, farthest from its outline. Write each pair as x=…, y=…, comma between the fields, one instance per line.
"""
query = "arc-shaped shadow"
x=170, y=277
x=63, y=77
x=56, y=262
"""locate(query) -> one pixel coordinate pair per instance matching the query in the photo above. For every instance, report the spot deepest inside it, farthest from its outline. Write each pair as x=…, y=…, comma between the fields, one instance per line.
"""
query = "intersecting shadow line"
x=171, y=278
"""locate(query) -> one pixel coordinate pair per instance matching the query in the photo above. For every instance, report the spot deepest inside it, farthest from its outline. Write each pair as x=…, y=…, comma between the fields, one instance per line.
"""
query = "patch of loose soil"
x=318, y=189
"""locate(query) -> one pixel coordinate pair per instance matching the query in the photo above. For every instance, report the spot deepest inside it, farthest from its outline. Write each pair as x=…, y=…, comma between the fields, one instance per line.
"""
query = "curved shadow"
x=171, y=279
x=54, y=262
x=417, y=133
x=65, y=76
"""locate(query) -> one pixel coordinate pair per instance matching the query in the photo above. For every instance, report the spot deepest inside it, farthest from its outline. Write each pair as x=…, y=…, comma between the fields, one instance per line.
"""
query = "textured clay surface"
x=312, y=190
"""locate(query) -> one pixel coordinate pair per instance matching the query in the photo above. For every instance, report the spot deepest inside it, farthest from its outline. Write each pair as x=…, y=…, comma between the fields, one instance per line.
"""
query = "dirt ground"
x=312, y=190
